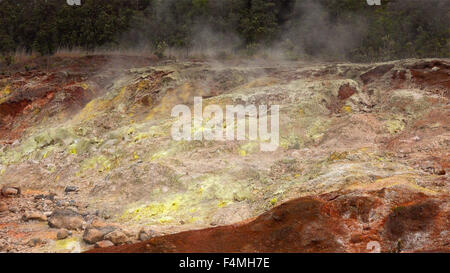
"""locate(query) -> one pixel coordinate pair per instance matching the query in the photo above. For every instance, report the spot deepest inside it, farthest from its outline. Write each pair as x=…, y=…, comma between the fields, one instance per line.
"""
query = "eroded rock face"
x=376, y=73
x=397, y=219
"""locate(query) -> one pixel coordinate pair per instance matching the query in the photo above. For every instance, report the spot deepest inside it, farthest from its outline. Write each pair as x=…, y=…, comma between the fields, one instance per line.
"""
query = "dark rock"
x=35, y=242
x=405, y=220
x=39, y=197
x=50, y=197
x=62, y=234
x=70, y=189
x=346, y=91
x=67, y=219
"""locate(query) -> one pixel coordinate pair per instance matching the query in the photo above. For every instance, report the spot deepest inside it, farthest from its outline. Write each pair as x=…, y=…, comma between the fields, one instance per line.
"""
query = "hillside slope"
x=363, y=156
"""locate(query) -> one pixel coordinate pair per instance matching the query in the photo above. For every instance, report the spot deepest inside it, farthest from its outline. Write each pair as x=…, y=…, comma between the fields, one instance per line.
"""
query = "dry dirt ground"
x=87, y=161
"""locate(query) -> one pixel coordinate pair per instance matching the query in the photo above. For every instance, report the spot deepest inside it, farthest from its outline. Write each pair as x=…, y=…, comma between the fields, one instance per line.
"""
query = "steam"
x=208, y=42
x=311, y=31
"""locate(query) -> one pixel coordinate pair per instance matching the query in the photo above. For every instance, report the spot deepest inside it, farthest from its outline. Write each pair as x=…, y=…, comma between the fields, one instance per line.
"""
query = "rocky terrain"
x=87, y=161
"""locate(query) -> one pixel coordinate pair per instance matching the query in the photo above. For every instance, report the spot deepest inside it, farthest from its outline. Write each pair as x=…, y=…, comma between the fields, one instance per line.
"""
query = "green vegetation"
x=338, y=29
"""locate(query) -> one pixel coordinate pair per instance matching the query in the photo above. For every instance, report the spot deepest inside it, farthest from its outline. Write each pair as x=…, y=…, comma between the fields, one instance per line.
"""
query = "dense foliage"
x=348, y=29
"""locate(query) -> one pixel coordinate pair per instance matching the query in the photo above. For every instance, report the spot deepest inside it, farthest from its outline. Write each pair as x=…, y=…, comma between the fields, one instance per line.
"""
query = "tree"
x=258, y=22
x=7, y=47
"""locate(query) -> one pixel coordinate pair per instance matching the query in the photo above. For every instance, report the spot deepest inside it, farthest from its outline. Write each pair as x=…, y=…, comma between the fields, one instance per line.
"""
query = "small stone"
x=105, y=215
x=34, y=242
x=70, y=189
x=3, y=244
x=50, y=196
x=3, y=207
x=84, y=226
x=117, y=237
x=62, y=234
x=10, y=191
x=13, y=210
x=146, y=234
x=103, y=244
x=39, y=197
x=32, y=215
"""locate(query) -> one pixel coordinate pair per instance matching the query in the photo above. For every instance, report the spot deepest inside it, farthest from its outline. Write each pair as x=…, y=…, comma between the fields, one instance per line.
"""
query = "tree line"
x=341, y=29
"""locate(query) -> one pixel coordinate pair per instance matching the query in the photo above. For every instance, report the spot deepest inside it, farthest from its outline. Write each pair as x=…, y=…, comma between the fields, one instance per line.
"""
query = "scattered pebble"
x=10, y=191
x=3, y=207
x=33, y=215
x=103, y=244
x=70, y=189
x=62, y=234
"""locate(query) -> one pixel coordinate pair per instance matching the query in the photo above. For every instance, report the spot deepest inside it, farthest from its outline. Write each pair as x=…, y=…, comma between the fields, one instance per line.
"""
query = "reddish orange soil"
x=336, y=222
x=74, y=80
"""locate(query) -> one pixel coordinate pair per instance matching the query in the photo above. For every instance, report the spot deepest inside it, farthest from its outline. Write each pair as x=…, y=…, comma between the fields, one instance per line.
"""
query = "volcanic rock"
x=146, y=234
x=103, y=244
x=67, y=219
x=62, y=234
x=10, y=191
x=117, y=237
x=33, y=215
x=93, y=235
